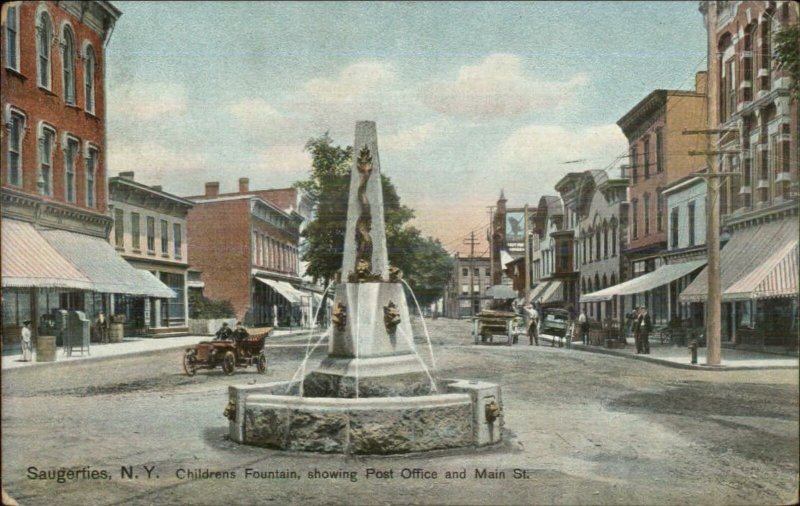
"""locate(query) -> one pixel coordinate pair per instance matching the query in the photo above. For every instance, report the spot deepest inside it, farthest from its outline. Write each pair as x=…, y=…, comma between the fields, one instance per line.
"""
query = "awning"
x=28, y=260
x=501, y=292
x=283, y=288
x=659, y=277
x=107, y=271
x=757, y=262
x=536, y=291
x=505, y=258
x=553, y=293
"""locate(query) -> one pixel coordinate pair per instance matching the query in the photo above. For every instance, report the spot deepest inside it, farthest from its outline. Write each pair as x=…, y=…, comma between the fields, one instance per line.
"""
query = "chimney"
x=700, y=82
x=156, y=187
x=244, y=185
x=212, y=189
x=126, y=175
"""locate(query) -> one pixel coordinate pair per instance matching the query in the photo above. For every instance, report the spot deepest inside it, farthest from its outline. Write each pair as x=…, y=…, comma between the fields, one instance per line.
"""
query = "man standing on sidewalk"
x=532, y=317
x=583, y=327
x=26, y=341
x=643, y=326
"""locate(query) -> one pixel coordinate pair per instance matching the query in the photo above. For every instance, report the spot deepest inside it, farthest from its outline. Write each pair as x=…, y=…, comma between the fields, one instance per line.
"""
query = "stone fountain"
x=373, y=393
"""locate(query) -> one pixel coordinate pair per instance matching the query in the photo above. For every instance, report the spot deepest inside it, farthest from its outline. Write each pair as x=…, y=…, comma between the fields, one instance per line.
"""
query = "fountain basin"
x=265, y=415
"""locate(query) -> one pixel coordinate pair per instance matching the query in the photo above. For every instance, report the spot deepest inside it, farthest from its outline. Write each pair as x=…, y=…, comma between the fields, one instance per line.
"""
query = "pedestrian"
x=101, y=327
x=583, y=325
x=645, y=326
x=26, y=341
x=635, y=328
x=532, y=317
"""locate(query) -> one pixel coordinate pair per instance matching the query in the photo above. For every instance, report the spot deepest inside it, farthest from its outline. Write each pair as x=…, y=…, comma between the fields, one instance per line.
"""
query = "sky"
x=469, y=98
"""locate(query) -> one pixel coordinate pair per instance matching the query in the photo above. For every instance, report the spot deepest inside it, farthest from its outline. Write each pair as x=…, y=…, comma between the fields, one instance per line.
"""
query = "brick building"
x=54, y=198
x=246, y=245
x=659, y=155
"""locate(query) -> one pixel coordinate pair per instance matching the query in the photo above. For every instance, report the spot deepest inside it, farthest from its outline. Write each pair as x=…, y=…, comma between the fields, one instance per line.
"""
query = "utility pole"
x=471, y=242
x=527, y=270
x=490, y=237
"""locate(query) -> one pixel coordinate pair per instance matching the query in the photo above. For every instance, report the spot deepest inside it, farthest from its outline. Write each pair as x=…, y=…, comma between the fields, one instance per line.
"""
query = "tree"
x=787, y=52
x=328, y=187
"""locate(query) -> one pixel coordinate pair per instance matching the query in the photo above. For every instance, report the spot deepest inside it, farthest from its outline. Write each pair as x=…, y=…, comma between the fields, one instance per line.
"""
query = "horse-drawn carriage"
x=228, y=353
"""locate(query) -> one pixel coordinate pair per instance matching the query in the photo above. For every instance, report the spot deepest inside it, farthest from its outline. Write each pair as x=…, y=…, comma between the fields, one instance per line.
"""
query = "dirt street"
x=580, y=428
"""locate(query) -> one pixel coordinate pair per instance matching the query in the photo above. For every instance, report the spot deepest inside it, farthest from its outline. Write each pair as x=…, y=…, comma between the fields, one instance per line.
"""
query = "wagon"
x=228, y=354
x=490, y=323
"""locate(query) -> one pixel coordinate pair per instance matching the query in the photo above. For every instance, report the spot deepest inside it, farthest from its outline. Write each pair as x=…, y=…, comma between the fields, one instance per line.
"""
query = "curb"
x=678, y=365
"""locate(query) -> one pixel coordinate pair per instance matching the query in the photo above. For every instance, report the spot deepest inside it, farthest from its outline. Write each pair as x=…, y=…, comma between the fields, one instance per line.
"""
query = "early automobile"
x=228, y=353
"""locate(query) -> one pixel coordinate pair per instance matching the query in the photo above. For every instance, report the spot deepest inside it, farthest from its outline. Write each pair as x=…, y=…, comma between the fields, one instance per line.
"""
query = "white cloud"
x=356, y=82
x=254, y=113
x=146, y=101
x=547, y=147
x=153, y=157
x=411, y=138
x=498, y=87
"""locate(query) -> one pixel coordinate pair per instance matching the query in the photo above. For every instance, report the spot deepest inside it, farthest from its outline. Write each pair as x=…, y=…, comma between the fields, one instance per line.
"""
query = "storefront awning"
x=283, y=288
x=28, y=260
x=659, y=277
x=757, y=262
x=553, y=293
x=505, y=258
x=107, y=271
x=536, y=291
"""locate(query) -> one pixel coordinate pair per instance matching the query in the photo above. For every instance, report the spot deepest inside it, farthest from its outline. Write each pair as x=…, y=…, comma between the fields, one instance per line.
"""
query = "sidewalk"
x=680, y=356
x=129, y=346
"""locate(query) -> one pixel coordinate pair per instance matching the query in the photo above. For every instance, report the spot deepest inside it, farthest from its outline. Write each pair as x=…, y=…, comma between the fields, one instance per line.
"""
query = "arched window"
x=88, y=78
x=583, y=285
x=583, y=240
x=596, y=281
x=605, y=281
x=12, y=37
x=589, y=285
x=68, y=62
x=47, y=146
x=92, y=159
x=597, y=244
x=44, y=36
x=605, y=239
x=613, y=279
x=613, y=239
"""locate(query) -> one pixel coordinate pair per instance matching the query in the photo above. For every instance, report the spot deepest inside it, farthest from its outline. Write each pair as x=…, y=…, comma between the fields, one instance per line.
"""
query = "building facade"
x=461, y=301
x=600, y=206
x=659, y=154
x=149, y=231
x=247, y=249
x=55, y=222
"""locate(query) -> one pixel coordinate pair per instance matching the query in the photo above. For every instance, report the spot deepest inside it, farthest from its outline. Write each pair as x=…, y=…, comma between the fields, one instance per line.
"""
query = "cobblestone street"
x=580, y=428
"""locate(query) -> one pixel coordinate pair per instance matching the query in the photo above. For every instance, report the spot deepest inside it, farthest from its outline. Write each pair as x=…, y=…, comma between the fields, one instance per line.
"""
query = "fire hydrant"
x=693, y=349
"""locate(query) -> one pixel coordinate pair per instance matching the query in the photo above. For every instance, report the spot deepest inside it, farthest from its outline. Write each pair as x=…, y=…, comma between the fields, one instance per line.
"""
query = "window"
x=605, y=241
x=635, y=218
x=119, y=228
x=177, y=239
x=47, y=141
x=135, y=230
x=91, y=170
x=70, y=154
x=646, y=155
x=16, y=129
x=68, y=63
x=151, y=234
x=476, y=271
x=730, y=90
x=12, y=38
x=659, y=151
x=44, y=31
x=646, y=214
x=584, y=249
x=674, y=226
x=464, y=271
x=634, y=164
x=88, y=78
x=597, y=245
x=766, y=52
x=613, y=240
x=691, y=223
x=164, y=237
x=659, y=211
x=464, y=289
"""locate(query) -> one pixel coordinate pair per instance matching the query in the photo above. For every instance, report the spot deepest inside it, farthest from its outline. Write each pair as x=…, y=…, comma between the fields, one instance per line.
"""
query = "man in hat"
x=26, y=341
x=532, y=319
x=224, y=333
x=644, y=326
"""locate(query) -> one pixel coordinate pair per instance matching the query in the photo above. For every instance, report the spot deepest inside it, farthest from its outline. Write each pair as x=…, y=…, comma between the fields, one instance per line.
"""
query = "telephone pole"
x=490, y=239
x=471, y=242
x=527, y=270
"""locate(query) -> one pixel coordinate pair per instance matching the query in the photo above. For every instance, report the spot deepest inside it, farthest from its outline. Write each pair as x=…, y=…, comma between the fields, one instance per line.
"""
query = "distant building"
x=246, y=245
x=149, y=231
x=553, y=271
x=466, y=291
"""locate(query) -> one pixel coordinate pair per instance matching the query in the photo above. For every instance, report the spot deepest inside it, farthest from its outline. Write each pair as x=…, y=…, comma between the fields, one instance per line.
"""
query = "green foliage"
x=203, y=308
x=421, y=260
x=787, y=52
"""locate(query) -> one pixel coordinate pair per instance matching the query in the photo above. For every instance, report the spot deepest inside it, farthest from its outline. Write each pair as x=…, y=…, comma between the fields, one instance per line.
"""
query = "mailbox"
x=77, y=332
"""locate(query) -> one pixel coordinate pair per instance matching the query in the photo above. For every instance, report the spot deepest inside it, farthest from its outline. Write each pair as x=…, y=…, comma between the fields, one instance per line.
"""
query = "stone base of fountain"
x=391, y=376
x=275, y=416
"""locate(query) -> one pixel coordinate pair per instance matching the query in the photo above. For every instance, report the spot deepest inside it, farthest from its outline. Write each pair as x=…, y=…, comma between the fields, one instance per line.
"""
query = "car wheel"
x=228, y=363
x=261, y=365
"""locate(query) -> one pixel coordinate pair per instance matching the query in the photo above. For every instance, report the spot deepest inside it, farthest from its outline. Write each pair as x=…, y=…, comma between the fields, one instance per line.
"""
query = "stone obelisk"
x=371, y=351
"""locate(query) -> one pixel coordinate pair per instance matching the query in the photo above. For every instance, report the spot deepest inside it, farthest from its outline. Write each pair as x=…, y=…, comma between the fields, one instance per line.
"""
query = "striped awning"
x=283, y=288
x=757, y=262
x=28, y=260
x=107, y=271
x=553, y=293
